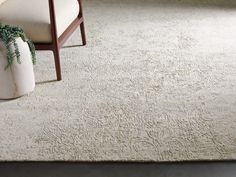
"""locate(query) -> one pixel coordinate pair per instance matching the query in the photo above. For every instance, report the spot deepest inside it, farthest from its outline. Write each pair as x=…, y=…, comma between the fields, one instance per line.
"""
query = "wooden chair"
x=49, y=23
x=58, y=41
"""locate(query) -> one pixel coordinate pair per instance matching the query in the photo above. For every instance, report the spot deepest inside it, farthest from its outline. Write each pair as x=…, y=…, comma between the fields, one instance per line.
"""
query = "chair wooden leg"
x=82, y=30
x=56, y=53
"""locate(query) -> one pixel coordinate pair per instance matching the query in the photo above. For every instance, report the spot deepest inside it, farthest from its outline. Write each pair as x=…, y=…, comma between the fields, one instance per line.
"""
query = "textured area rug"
x=156, y=82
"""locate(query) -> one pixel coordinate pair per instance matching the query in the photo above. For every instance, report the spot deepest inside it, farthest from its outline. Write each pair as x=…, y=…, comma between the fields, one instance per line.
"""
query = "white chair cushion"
x=2, y=1
x=33, y=16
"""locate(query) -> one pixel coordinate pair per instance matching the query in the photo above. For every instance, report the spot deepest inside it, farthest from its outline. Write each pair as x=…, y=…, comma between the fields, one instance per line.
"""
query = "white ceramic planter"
x=18, y=79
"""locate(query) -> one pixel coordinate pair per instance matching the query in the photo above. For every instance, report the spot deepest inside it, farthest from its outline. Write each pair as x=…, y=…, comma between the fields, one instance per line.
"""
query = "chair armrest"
x=52, y=18
x=80, y=8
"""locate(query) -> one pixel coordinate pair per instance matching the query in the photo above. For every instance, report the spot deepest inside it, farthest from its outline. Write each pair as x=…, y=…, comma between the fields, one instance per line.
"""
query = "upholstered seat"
x=2, y=1
x=34, y=17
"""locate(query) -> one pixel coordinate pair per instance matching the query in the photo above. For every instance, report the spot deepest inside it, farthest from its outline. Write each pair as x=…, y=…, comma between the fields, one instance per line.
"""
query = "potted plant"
x=17, y=56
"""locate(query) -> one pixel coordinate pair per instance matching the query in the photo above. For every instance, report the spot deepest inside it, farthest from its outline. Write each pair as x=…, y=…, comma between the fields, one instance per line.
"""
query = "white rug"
x=156, y=82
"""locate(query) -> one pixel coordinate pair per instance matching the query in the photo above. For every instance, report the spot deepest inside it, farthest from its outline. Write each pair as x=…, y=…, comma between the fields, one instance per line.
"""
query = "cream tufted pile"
x=156, y=82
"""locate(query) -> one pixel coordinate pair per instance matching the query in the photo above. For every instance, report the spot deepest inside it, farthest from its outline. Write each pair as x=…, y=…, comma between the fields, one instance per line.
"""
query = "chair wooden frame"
x=58, y=41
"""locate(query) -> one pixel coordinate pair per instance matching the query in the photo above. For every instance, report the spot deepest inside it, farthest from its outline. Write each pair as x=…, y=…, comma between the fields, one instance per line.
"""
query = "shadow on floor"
x=45, y=82
x=72, y=46
x=70, y=169
x=5, y=101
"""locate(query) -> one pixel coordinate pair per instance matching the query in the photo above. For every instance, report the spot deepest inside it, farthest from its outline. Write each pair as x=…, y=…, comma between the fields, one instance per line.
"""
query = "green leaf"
x=8, y=35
